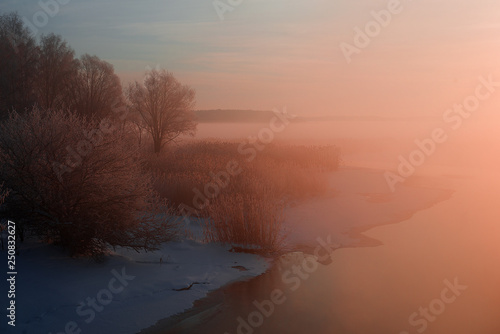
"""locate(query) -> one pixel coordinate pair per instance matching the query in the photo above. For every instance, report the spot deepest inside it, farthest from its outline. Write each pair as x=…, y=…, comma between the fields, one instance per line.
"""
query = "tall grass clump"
x=248, y=211
x=246, y=221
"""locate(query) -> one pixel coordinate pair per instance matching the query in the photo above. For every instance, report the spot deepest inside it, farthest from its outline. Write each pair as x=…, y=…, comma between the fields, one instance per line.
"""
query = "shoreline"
x=86, y=294
x=212, y=304
x=367, y=241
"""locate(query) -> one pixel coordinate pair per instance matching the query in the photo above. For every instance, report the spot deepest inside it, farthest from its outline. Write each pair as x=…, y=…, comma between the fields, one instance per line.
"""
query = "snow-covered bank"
x=132, y=291
x=128, y=292
x=359, y=200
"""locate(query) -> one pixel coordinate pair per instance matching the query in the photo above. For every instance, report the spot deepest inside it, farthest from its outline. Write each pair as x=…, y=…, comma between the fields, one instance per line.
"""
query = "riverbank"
x=358, y=200
x=128, y=291
x=57, y=292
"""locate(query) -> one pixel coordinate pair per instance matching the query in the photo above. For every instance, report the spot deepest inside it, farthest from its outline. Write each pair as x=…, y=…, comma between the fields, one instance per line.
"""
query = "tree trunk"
x=157, y=145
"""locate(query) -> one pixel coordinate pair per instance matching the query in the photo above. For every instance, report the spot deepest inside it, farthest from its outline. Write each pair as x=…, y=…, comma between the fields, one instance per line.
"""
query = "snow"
x=128, y=292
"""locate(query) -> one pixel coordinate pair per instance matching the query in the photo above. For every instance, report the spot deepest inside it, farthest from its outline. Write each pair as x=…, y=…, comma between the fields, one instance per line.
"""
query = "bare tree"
x=165, y=107
x=96, y=91
x=18, y=57
x=56, y=67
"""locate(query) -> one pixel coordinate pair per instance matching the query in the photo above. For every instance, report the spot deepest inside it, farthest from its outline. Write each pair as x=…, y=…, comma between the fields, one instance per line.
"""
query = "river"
x=423, y=260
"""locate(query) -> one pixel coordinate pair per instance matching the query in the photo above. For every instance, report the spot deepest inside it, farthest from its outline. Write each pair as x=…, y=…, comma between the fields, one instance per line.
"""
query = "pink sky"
x=267, y=54
x=427, y=58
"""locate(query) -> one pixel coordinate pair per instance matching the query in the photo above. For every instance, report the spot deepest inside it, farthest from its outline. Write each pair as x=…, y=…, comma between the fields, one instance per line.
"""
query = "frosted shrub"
x=86, y=200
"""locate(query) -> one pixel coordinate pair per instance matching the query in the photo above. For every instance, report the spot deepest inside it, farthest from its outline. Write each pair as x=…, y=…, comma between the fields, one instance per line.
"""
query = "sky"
x=265, y=54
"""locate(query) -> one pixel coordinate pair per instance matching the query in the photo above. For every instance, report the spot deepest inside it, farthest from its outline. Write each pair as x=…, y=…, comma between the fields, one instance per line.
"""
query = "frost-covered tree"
x=18, y=59
x=95, y=91
x=165, y=106
x=55, y=69
x=79, y=183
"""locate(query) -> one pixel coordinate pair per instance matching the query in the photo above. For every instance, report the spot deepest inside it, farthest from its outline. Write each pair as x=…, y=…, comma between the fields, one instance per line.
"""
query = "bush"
x=79, y=184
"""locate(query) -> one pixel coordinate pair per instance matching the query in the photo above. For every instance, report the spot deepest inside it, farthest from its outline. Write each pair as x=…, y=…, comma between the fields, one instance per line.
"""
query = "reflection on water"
x=378, y=289
x=436, y=271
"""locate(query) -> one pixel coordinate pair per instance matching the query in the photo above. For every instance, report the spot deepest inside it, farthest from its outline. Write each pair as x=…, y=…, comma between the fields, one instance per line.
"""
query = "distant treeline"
x=236, y=116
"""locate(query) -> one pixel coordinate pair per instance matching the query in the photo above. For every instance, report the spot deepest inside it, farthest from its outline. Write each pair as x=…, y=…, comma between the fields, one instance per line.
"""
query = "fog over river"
x=430, y=264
